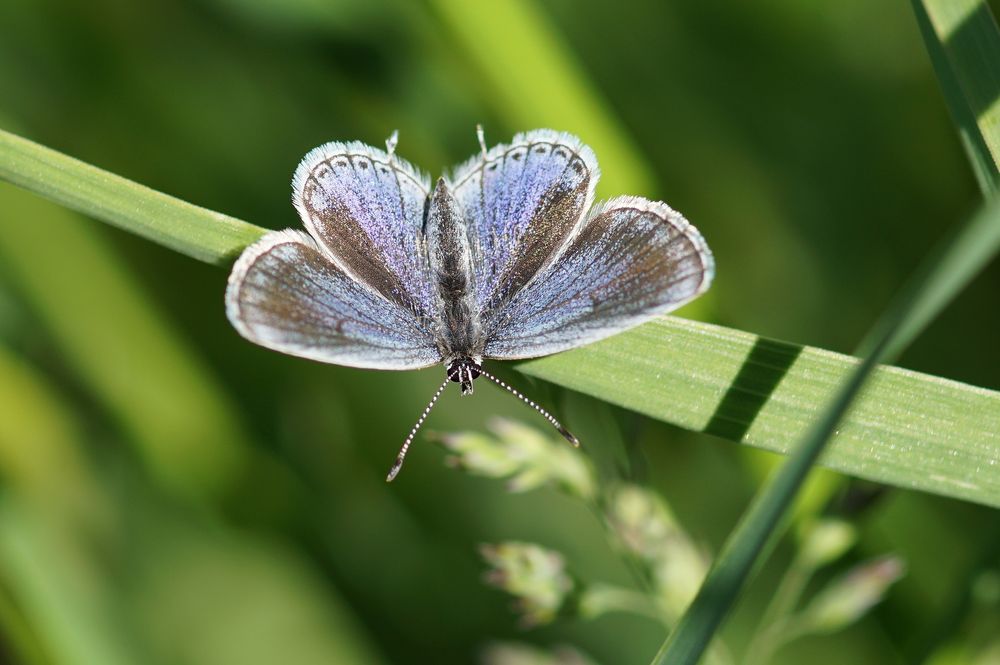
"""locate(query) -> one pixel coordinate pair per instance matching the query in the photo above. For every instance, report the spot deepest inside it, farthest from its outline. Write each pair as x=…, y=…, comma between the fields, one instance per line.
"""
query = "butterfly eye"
x=460, y=371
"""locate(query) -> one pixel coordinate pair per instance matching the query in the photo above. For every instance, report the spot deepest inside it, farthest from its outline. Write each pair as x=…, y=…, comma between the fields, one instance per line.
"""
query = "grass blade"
x=765, y=393
x=964, y=45
x=202, y=234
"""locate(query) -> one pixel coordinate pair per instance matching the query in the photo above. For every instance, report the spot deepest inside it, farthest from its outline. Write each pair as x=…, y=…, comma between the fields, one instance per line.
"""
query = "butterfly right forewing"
x=522, y=202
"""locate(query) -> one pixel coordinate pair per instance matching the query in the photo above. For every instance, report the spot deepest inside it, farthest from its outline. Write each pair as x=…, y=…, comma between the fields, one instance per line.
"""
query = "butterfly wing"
x=365, y=208
x=632, y=260
x=286, y=294
x=522, y=202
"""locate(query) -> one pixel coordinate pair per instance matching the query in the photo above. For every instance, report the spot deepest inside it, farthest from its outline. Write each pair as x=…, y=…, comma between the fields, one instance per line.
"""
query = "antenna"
x=548, y=416
x=482, y=138
x=398, y=464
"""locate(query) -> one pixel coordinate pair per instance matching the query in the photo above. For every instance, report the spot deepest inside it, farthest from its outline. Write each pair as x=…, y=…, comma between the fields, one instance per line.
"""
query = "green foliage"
x=172, y=495
x=181, y=423
x=667, y=565
x=766, y=393
x=524, y=456
x=940, y=280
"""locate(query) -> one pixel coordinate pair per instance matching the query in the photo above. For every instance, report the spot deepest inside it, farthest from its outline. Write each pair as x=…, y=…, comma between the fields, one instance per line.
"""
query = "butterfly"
x=506, y=257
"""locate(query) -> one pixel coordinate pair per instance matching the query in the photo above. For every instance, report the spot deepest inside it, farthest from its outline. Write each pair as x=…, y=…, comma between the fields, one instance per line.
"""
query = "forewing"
x=522, y=202
x=286, y=294
x=366, y=209
x=632, y=260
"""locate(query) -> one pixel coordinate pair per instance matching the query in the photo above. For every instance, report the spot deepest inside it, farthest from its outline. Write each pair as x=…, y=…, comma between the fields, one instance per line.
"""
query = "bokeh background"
x=171, y=494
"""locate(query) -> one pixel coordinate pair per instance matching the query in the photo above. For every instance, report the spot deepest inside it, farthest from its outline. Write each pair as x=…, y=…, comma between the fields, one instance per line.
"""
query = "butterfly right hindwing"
x=633, y=260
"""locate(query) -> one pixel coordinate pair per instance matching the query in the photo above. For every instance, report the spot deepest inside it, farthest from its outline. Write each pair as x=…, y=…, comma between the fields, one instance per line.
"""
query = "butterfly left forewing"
x=365, y=208
x=632, y=261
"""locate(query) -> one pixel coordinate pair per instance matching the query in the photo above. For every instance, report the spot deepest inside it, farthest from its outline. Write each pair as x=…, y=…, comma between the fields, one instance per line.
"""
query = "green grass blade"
x=766, y=393
x=964, y=46
x=202, y=234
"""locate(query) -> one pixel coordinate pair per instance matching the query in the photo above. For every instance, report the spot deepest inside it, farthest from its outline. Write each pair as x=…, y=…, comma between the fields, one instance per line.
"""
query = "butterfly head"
x=464, y=371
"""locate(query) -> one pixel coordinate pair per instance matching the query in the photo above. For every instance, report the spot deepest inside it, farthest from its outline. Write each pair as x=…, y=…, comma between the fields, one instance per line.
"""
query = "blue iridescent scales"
x=505, y=258
x=522, y=201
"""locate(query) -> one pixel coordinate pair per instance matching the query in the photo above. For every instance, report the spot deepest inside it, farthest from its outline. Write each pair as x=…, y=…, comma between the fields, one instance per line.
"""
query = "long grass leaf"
x=909, y=429
x=964, y=46
x=203, y=234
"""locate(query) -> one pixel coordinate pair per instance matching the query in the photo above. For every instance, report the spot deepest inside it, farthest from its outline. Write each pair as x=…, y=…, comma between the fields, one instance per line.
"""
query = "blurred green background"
x=170, y=493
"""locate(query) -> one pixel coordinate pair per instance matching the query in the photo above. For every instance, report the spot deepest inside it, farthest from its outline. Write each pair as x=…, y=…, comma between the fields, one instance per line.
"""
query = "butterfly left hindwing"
x=286, y=294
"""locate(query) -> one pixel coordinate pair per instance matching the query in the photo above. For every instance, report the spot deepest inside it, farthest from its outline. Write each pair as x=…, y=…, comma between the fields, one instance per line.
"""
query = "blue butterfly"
x=504, y=258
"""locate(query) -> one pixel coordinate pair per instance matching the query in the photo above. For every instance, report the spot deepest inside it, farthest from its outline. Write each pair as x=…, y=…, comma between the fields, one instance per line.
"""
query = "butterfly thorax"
x=461, y=339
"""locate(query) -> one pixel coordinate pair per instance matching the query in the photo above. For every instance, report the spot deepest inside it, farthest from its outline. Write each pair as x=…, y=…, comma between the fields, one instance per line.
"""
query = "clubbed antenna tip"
x=566, y=434
x=569, y=436
x=394, y=471
x=398, y=464
x=481, y=135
